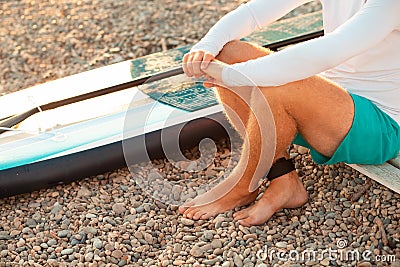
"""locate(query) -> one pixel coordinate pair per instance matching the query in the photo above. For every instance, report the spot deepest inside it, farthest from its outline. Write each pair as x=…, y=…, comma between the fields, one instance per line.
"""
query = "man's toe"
x=199, y=214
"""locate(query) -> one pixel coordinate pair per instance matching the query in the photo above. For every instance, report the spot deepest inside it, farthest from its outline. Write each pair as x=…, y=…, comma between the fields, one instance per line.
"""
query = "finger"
x=196, y=64
x=185, y=64
x=207, y=58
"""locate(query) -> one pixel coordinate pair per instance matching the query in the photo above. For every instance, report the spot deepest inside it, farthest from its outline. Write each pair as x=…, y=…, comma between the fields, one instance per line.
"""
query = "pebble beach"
x=112, y=219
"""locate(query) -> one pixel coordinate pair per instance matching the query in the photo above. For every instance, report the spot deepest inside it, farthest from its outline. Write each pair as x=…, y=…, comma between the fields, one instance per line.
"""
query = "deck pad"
x=181, y=92
x=287, y=29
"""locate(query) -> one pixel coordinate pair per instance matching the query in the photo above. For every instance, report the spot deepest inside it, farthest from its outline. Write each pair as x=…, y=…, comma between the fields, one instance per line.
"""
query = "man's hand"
x=203, y=64
x=194, y=63
x=214, y=73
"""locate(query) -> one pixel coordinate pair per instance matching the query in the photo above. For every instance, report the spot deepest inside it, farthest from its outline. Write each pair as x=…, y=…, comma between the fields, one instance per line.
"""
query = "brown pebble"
x=364, y=264
x=117, y=254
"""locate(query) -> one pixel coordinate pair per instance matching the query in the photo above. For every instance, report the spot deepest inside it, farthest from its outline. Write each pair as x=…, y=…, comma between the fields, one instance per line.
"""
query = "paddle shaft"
x=18, y=118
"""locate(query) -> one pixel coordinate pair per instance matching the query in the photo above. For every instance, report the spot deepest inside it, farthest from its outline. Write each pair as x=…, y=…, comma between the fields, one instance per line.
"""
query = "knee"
x=238, y=51
x=229, y=51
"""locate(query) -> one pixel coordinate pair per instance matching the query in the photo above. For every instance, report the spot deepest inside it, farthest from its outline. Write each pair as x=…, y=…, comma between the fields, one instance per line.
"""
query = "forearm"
x=244, y=20
x=362, y=32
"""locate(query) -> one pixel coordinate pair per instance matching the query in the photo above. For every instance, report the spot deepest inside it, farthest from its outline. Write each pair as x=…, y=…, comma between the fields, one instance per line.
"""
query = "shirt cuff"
x=232, y=77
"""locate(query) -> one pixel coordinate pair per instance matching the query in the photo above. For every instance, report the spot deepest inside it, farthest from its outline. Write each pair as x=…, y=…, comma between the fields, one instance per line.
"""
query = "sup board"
x=60, y=143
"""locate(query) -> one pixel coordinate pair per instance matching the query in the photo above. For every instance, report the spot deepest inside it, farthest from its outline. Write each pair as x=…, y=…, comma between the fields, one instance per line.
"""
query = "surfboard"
x=90, y=135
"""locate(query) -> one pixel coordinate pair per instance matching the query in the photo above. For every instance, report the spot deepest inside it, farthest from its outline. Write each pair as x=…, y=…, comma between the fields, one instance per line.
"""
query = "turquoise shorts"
x=373, y=138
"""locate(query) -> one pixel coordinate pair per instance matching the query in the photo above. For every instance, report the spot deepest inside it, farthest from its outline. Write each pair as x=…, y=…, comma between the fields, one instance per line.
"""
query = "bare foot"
x=229, y=194
x=284, y=192
x=237, y=197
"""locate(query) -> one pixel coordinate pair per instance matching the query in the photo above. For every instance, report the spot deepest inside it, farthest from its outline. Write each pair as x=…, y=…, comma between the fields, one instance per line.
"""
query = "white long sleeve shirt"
x=360, y=49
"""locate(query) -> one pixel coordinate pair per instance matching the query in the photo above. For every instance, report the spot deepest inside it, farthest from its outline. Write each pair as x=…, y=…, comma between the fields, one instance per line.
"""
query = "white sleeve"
x=368, y=27
x=244, y=20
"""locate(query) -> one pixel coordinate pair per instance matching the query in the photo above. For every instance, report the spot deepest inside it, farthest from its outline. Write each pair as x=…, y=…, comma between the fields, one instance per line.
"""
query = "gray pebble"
x=52, y=242
x=347, y=204
x=237, y=260
x=189, y=238
x=67, y=251
x=97, y=243
x=216, y=243
x=63, y=233
x=177, y=248
x=187, y=222
x=57, y=207
x=75, y=242
x=119, y=208
x=4, y=235
x=208, y=234
x=281, y=244
x=31, y=223
x=90, y=216
x=136, y=204
x=90, y=230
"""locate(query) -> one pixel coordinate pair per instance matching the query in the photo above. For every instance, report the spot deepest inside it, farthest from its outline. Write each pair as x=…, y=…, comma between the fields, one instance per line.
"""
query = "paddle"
x=18, y=118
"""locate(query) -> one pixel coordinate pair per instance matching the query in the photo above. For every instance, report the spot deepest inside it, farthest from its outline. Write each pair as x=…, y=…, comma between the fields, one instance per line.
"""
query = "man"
x=338, y=94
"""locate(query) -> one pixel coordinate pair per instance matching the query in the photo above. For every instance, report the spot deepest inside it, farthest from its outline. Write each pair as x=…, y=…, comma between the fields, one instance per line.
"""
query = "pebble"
x=196, y=251
x=97, y=243
x=177, y=248
x=52, y=242
x=330, y=222
x=302, y=150
x=218, y=251
x=119, y=208
x=250, y=236
x=210, y=262
x=216, y=243
x=364, y=264
x=90, y=215
x=209, y=235
x=90, y=230
x=31, y=223
x=117, y=254
x=89, y=257
x=325, y=262
x=189, y=238
x=281, y=244
x=21, y=243
x=67, y=251
x=4, y=253
x=237, y=260
x=63, y=233
x=187, y=222
x=4, y=236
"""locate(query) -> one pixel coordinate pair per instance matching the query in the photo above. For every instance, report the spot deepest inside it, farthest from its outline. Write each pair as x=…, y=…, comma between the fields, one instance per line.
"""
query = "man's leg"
x=310, y=106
